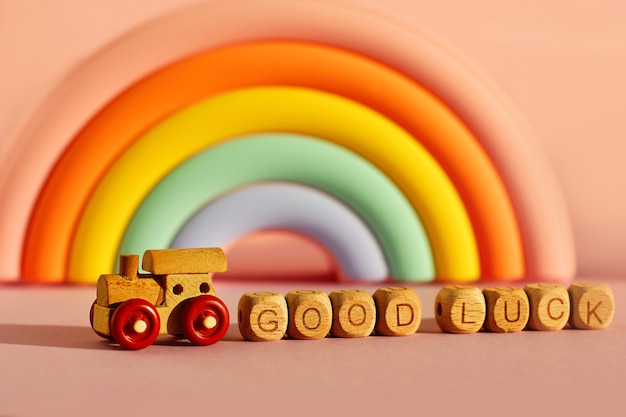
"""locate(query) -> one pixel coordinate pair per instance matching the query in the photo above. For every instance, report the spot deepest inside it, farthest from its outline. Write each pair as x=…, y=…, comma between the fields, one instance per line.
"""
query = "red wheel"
x=135, y=324
x=102, y=335
x=205, y=320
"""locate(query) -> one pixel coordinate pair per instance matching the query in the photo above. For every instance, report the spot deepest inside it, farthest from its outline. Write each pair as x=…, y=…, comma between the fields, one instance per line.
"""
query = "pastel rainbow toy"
x=425, y=152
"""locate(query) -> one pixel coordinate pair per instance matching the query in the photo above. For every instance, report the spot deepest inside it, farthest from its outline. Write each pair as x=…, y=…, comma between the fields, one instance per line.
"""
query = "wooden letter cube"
x=460, y=309
x=549, y=306
x=354, y=313
x=262, y=316
x=310, y=314
x=592, y=304
x=399, y=311
x=507, y=309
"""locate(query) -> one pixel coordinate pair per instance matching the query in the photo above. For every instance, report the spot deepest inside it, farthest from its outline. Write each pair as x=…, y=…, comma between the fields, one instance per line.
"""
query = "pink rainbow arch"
x=535, y=195
x=299, y=64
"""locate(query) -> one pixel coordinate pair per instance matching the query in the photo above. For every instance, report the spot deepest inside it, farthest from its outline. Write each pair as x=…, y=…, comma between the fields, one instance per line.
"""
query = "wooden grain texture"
x=129, y=266
x=460, y=309
x=508, y=309
x=592, y=305
x=101, y=319
x=178, y=288
x=354, y=313
x=182, y=261
x=113, y=289
x=310, y=314
x=262, y=316
x=549, y=306
x=399, y=311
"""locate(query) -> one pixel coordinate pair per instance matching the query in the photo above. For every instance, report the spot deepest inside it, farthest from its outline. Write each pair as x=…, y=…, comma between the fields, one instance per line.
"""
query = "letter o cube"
x=507, y=309
x=399, y=311
x=549, y=306
x=592, y=305
x=460, y=309
x=310, y=314
x=354, y=313
x=262, y=316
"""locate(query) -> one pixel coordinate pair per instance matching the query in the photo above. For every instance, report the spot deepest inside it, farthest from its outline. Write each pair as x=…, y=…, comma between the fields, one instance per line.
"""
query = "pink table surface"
x=51, y=363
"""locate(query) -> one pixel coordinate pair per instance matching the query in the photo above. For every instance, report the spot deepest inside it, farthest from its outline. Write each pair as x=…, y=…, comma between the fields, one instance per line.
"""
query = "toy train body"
x=177, y=298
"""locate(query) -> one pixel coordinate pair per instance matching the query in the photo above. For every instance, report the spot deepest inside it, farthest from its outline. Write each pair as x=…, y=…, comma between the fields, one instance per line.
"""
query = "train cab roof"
x=184, y=261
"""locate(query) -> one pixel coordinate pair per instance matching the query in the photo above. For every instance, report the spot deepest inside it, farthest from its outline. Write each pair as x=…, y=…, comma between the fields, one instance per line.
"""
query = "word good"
x=310, y=314
x=467, y=309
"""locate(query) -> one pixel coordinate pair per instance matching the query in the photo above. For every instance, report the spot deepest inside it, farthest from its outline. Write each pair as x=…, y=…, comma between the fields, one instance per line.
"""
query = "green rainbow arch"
x=283, y=157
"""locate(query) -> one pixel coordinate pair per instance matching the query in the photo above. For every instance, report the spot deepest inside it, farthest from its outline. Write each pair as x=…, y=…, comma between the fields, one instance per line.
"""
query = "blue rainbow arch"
x=269, y=206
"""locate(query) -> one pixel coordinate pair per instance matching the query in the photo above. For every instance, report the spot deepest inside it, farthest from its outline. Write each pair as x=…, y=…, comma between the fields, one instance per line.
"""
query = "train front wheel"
x=205, y=320
x=135, y=324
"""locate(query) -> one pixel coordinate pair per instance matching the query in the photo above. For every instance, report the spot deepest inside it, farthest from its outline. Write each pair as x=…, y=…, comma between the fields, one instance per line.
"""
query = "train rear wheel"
x=135, y=324
x=205, y=320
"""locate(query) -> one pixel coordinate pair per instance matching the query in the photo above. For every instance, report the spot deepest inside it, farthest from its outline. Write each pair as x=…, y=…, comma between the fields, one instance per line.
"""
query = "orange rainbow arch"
x=276, y=63
x=542, y=220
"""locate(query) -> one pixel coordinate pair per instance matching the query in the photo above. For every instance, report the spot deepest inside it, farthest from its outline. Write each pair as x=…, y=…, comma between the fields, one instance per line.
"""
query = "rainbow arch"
x=536, y=220
x=311, y=112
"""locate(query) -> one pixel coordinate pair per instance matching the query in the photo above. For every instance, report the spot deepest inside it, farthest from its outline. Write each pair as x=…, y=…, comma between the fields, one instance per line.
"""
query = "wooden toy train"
x=177, y=298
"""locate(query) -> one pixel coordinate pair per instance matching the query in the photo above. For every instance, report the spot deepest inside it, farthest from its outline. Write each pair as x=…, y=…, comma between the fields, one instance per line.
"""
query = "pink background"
x=561, y=62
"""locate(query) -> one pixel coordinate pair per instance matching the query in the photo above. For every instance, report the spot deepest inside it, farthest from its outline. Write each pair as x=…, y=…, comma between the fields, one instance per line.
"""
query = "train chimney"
x=129, y=265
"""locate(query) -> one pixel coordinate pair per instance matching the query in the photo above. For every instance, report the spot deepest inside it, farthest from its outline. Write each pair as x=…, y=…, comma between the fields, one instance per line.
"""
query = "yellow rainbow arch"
x=246, y=161
x=283, y=109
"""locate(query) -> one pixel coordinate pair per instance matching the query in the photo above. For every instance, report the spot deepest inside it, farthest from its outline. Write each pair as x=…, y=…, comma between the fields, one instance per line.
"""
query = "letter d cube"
x=399, y=311
x=262, y=316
